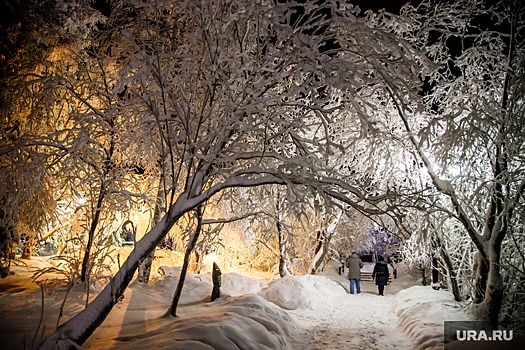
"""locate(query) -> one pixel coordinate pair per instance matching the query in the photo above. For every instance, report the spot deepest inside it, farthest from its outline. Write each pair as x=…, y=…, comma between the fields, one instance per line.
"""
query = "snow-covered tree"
x=33, y=112
x=383, y=242
x=87, y=150
x=469, y=130
x=243, y=96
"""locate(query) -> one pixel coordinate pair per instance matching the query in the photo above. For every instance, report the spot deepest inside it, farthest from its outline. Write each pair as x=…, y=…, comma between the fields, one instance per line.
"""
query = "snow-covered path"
x=359, y=321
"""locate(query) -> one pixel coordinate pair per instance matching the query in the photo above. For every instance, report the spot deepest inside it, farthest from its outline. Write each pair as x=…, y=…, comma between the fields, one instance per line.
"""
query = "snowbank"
x=422, y=312
x=301, y=292
x=247, y=322
x=239, y=319
x=235, y=284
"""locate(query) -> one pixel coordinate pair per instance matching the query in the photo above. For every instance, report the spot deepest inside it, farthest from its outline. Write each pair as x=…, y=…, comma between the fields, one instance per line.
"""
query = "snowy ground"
x=304, y=312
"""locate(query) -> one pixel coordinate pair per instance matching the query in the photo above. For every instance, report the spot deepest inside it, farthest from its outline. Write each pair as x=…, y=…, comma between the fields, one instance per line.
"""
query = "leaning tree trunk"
x=77, y=330
x=452, y=274
x=187, y=255
x=318, y=252
x=323, y=244
x=449, y=264
x=321, y=251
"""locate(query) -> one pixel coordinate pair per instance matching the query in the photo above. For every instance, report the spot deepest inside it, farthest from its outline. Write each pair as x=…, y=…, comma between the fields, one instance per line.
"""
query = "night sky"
x=389, y=5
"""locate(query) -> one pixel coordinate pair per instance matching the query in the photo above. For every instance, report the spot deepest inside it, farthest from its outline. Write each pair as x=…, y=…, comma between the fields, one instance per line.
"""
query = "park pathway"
x=353, y=322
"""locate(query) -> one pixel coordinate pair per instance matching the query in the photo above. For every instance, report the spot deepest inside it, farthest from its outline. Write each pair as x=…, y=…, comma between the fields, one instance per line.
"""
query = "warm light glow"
x=81, y=200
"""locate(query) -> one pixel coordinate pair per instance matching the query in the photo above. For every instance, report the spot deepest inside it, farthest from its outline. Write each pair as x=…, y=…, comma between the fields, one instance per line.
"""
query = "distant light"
x=81, y=200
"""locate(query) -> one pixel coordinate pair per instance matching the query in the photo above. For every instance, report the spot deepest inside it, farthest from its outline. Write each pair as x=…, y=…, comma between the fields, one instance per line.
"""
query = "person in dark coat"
x=381, y=274
x=354, y=265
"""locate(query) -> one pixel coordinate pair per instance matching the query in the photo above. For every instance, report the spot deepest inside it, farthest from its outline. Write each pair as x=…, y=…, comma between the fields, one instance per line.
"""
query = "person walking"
x=354, y=264
x=381, y=274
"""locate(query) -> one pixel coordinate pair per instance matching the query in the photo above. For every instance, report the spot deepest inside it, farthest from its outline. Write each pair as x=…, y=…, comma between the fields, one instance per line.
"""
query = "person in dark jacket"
x=354, y=265
x=381, y=274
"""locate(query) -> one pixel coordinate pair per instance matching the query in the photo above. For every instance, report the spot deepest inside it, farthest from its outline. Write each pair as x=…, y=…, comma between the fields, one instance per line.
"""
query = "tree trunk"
x=91, y=233
x=283, y=269
x=198, y=261
x=322, y=250
x=98, y=209
x=160, y=209
x=451, y=271
x=145, y=267
x=318, y=252
x=435, y=271
x=494, y=293
x=323, y=246
x=502, y=208
x=187, y=255
x=424, y=276
x=479, y=275
x=452, y=275
x=490, y=306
